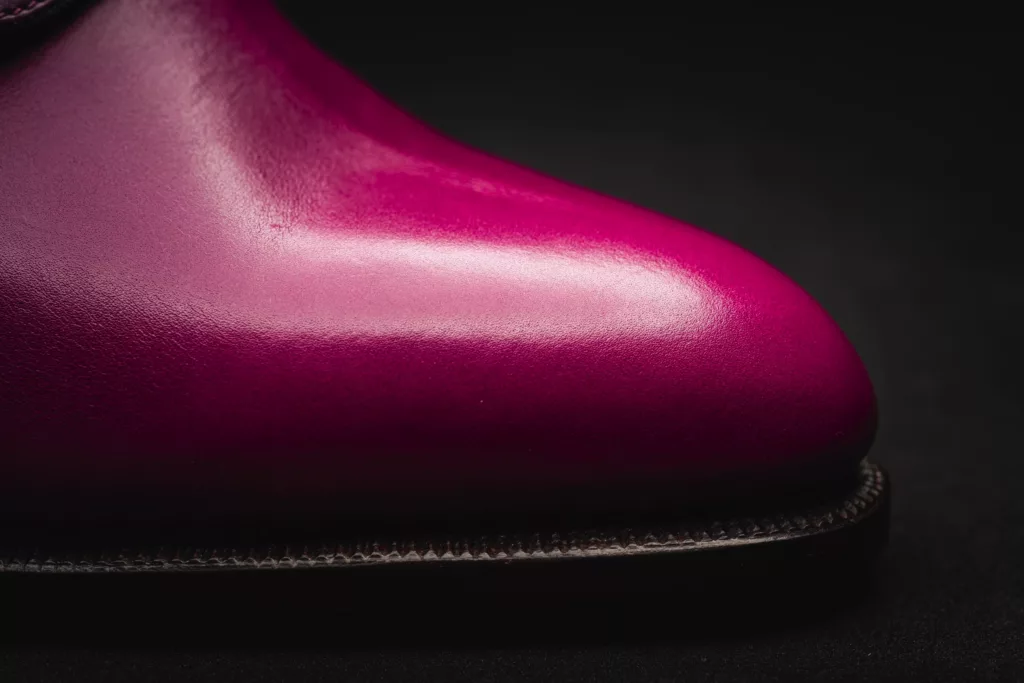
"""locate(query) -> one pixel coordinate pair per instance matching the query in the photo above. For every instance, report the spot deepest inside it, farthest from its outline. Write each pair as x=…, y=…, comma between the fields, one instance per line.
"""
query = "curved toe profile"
x=232, y=275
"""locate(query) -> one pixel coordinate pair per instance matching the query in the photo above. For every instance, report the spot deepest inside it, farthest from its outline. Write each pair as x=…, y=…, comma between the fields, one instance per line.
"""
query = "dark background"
x=873, y=165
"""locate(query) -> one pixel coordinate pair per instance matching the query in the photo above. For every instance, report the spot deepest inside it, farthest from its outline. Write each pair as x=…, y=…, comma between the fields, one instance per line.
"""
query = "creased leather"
x=227, y=265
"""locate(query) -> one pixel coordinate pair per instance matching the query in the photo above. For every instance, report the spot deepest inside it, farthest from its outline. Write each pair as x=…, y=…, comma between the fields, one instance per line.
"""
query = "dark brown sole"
x=748, y=574
x=853, y=526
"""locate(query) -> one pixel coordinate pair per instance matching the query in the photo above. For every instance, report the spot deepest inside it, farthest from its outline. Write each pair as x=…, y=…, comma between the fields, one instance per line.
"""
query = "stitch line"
x=861, y=503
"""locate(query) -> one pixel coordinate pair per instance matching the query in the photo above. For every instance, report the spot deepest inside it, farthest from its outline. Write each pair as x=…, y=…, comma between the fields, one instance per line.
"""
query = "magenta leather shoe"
x=254, y=315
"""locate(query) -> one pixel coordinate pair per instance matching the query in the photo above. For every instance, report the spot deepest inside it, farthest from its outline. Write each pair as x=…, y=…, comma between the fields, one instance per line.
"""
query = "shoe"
x=256, y=316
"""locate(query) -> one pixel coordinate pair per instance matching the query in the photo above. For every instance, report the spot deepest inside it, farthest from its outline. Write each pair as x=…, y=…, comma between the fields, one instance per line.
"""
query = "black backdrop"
x=873, y=165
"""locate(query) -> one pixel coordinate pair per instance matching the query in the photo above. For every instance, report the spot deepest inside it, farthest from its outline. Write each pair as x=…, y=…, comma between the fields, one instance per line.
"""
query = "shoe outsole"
x=853, y=526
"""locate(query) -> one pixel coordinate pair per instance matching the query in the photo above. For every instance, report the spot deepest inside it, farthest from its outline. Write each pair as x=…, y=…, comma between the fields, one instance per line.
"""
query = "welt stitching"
x=862, y=502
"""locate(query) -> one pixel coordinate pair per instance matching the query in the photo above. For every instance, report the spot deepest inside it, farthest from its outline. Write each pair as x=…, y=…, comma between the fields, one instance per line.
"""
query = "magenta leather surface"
x=227, y=265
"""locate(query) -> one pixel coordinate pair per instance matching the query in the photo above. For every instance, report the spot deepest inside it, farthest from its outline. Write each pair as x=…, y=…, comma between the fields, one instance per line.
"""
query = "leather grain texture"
x=229, y=269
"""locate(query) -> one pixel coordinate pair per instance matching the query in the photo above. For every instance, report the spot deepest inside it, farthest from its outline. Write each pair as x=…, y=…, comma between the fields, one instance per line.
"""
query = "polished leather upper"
x=226, y=265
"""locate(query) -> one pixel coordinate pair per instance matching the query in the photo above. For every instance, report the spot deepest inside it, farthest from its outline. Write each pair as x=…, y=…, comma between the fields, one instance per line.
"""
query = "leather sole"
x=749, y=574
x=849, y=527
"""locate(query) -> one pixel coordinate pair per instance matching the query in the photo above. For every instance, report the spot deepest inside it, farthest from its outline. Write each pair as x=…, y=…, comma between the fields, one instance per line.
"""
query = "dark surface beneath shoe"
x=583, y=604
x=870, y=166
